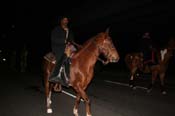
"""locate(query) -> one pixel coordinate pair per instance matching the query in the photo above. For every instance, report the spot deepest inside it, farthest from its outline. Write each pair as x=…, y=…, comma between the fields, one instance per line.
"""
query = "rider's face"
x=64, y=21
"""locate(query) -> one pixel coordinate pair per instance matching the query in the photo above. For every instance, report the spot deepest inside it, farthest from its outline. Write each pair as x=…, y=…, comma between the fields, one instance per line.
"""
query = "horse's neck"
x=92, y=49
x=89, y=50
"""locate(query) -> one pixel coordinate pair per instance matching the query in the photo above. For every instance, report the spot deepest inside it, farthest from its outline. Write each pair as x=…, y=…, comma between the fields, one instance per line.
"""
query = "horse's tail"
x=48, y=66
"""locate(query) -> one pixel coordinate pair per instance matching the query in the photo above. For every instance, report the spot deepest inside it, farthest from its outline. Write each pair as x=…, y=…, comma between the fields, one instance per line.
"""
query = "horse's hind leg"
x=77, y=102
x=132, y=78
x=131, y=81
x=47, y=90
x=48, y=97
x=162, y=76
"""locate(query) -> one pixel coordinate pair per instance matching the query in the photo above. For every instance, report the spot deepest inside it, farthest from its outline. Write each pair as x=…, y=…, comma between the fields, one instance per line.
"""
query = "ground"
x=22, y=94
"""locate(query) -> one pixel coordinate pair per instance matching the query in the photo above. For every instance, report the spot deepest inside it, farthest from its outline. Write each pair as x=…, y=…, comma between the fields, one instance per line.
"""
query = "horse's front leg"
x=77, y=102
x=87, y=101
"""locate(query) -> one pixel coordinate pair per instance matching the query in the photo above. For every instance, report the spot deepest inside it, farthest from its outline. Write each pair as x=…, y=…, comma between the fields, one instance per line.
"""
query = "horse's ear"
x=107, y=30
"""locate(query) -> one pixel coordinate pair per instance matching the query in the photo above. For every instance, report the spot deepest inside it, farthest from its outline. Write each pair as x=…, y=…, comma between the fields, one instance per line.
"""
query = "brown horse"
x=134, y=62
x=81, y=68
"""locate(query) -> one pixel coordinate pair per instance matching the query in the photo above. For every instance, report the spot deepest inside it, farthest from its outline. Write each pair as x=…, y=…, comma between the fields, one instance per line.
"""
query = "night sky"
x=30, y=22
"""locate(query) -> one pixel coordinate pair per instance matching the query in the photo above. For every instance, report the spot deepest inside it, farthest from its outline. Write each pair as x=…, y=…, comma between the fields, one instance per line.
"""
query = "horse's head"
x=107, y=48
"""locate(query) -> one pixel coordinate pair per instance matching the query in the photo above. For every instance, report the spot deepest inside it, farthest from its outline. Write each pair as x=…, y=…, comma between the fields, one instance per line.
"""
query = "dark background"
x=30, y=23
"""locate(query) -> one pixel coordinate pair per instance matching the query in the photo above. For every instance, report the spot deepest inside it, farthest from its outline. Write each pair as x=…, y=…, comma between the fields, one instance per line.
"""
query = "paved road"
x=23, y=95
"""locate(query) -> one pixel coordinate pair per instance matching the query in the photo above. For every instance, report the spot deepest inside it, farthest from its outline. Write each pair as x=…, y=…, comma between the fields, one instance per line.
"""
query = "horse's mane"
x=89, y=42
x=92, y=39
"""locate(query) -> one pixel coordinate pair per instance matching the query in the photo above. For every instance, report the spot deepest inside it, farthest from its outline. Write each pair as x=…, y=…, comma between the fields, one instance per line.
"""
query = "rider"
x=60, y=36
x=146, y=47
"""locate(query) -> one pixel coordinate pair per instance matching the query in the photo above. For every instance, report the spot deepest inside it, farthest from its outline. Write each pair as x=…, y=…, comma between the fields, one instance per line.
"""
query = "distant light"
x=0, y=51
x=4, y=59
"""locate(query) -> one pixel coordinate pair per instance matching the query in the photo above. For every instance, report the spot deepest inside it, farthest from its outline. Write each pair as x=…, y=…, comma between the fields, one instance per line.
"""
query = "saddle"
x=69, y=51
x=50, y=57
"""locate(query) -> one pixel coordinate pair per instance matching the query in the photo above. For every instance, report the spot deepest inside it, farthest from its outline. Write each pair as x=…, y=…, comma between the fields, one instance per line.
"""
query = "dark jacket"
x=58, y=38
x=145, y=44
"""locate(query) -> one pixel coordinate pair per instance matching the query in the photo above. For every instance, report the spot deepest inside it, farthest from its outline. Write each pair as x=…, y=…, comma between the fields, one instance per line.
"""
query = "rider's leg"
x=148, y=57
x=54, y=75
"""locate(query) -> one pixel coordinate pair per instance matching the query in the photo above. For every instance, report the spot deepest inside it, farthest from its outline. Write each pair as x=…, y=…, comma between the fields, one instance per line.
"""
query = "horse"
x=81, y=69
x=134, y=62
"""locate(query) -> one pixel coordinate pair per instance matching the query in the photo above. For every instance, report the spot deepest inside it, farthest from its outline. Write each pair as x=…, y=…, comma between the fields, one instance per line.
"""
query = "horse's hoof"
x=75, y=112
x=49, y=110
x=164, y=92
x=88, y=115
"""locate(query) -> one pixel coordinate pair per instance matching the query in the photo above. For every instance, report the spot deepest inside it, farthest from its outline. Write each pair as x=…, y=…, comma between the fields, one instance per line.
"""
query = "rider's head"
x=64, y=21
x=146, y=35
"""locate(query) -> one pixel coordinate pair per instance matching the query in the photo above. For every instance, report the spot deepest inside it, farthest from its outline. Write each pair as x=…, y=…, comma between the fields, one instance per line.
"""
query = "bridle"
x=103, y=50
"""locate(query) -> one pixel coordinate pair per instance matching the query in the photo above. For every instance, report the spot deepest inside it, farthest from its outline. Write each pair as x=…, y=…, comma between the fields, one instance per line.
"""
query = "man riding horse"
x=146, y=48
x=135, y=63
x=60, y=37
x=81, y=69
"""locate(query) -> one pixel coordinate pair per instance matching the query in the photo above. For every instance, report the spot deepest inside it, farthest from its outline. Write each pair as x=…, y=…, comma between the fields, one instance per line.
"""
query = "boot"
x=59, y=79
x=55, y=77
